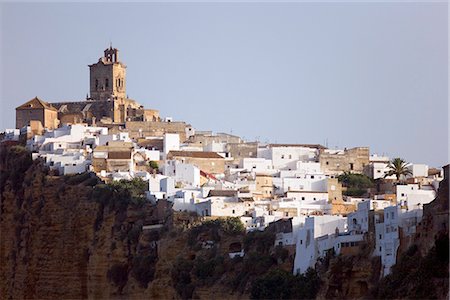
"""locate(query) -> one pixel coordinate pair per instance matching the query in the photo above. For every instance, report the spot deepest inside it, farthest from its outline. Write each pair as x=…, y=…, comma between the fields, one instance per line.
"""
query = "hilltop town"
x=320, y=200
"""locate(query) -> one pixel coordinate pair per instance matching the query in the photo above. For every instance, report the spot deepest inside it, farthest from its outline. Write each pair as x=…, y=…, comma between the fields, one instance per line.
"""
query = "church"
x=108, y=103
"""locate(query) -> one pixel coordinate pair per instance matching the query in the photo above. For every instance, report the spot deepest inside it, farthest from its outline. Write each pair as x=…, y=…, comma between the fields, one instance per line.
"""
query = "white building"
x=257, y=165
x=418, y=170
x=171, y=142
x=411, y=197
x=307, y=247
x=286, y=157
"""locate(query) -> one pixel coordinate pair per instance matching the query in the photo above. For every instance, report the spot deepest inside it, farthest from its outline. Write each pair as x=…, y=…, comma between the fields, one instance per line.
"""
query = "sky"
x=339, y=74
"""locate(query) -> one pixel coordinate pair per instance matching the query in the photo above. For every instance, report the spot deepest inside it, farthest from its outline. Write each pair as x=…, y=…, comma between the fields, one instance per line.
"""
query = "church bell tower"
x=108, y=77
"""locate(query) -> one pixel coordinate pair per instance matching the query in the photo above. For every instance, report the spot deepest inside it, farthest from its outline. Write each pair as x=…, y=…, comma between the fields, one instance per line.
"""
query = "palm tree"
x=398, y=167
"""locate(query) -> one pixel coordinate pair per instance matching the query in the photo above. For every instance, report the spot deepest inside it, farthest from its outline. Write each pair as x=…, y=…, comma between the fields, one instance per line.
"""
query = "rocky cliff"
x=57, y=241
x=75, y=237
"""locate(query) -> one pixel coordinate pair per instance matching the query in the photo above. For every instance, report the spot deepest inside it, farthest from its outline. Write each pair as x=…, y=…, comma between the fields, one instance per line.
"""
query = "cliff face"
x=58, y=242
x=74, y=237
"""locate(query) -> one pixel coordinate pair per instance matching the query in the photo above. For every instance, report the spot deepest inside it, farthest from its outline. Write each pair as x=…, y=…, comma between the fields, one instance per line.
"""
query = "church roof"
x=36, y=103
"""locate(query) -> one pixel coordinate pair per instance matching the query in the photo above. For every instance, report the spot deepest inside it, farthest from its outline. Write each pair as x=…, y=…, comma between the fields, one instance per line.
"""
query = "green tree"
x=153, y=164
x=398, y=167
x=356, y=184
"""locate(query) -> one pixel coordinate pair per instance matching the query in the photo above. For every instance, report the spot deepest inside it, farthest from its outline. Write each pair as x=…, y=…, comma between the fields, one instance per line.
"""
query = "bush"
x=181, y=277
x=14, y=162
x=153, y=164
x=261, y=241
x=143, y=269
x=78, y=178
x=119, y=194
x=118, y=275
x=279, y=284
x=356, y=184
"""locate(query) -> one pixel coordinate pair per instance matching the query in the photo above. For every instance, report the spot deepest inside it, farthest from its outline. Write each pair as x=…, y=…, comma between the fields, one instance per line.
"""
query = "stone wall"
x=352, y=160
x=155, y=129
x=242, y=150
x=24, y=116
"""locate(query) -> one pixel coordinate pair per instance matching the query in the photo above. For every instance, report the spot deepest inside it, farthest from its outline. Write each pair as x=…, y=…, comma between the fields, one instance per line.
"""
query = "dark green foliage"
x=143, y=269
x=208, y=270
x=281, y=253
x=181, y=277
x=261, y=241
x=119, y=194
x=14, y=162
x=279, y=284
x=228, y=225
x=356, y=184
x=153, y=164
x=78, y=178
x=418, y=277
x=118, y=275
x=134, y=233
x=256, y=263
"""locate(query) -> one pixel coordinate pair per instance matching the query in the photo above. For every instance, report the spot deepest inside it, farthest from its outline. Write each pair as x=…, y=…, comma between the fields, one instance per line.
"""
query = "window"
x=380, y=248
x=106, y=83
x=290, y=156
x=312, y=176
x=403, y=194
x=96, y=84
x=286, y=214
x=327, y=163
x=314, y=198
x=351, y=166
x=380, y=237
x=282, y=156
x=392, y=214
x=232, y=212
x=301, y=242
x=303, y=198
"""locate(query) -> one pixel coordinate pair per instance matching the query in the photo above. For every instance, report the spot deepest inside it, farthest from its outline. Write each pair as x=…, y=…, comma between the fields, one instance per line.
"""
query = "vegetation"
x=153, y=165
x=14, y=162
x=398, y=167
x=279, y=284
x=118, y=275
x=143, y=269
x=181, y=277
x=88, y=178
x=356, y=184
x=228, y=225
x=259, y=241
x=119, y=194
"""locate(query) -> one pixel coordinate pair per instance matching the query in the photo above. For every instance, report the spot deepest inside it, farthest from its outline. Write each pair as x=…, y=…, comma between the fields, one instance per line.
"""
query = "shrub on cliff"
x=279, y=284
x=119, y=194
x=118, y=275
x=143, y=269
x=261, y=241
x=181, y=277
x=228, y=225
x=14, y=162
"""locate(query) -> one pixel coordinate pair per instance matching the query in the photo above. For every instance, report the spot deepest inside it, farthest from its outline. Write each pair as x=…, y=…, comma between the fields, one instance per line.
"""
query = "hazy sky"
x=352, y=74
